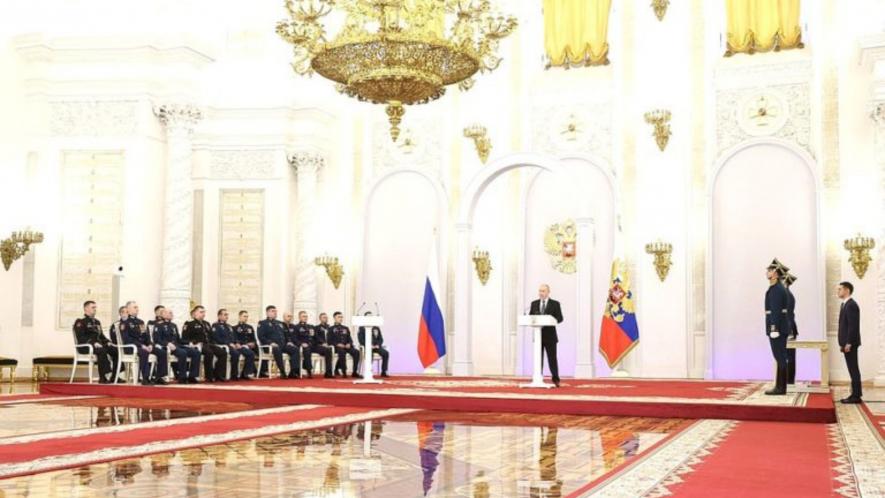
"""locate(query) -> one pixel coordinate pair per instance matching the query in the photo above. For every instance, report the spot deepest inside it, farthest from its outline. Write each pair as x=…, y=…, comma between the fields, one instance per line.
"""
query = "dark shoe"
x=356, y=375
x=851, y=401
x=328, y=375
x=103, y=381
x=775, y=392
x=161, y=382
x=291, y=376
x=146, y=383
x=120, y=380
x=556, y=383
x=192, y=380
x=309, y=375
x=384, y=374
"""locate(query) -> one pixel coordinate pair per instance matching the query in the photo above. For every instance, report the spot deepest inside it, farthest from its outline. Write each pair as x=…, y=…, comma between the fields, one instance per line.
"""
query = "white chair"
x=127, y=357
x=88, y=357
x=266, y=354
x=317, y=361
x=376, y=360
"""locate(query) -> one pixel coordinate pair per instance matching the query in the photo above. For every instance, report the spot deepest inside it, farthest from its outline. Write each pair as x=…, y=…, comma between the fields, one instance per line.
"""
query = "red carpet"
x=24, y=449
x=877, y=421
x=638, y=398
x=760, y=459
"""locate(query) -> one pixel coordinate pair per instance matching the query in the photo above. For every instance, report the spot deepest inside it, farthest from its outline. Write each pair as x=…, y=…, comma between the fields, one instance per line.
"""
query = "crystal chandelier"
x=395, y=52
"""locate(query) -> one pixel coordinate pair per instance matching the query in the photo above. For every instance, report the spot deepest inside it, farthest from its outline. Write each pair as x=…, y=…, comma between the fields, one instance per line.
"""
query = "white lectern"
x=535, y=322
x=368, y=322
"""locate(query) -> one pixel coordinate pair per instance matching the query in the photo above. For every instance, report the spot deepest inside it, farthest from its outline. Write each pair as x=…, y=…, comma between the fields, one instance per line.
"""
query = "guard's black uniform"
x=377, y=347
x=188, y=358
x=318, y=344
x=214, y=357
x=88, y=331
x=794, y=332
x=134, y=333
x=274, y=333
x=341, y=338
x=223, y=335
x=777, y=321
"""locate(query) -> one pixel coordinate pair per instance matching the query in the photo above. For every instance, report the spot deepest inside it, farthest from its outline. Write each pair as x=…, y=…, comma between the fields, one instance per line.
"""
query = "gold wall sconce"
x=660, y=118
x=17, y=245
x=660, y=8
x=483, y=265
x=662, y=261
x=481, y=140
x=333, y=269
x=859, y=249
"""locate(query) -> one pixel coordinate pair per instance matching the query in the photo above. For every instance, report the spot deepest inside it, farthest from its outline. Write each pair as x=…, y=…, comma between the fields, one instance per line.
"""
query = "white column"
x=178, y=207
x=463, y=359
x=307, y=165
x=878, y=115
x=584, y=366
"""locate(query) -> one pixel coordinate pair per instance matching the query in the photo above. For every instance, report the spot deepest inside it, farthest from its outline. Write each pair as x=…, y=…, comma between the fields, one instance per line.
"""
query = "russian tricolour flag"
x=432, y=328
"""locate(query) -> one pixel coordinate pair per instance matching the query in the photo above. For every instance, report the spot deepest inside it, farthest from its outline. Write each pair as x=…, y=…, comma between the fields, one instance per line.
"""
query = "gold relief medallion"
x=559, y=243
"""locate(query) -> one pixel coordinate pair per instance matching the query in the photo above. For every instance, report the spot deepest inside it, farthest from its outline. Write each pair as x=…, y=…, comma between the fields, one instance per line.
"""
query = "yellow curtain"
x=576, y=32
x=762, y=25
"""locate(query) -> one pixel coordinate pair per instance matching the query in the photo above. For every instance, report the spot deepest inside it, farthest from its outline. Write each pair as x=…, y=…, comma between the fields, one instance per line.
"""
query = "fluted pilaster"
x=878, y=115
x=307, y=165
x=179, y=121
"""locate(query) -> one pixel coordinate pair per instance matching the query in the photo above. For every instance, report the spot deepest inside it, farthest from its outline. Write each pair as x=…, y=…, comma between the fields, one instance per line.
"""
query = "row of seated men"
x=220, y=346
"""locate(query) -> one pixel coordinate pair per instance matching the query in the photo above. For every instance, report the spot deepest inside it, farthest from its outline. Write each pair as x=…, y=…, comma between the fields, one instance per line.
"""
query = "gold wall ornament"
x=660, y=118
x=483, y=265
x=334, y=270
x=859, y=249
x=395, y=52
x=481, y=140
x=559, y=243
x=17, y=245
x=662, y=261
x=660, y=8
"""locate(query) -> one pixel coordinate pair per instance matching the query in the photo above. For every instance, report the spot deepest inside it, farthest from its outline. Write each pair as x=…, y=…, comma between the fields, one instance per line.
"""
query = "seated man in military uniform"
x=313, y=341
x=88, y=331
x=377, y=346
x=223, y=335
x=197, y=333
x=273, y=333
x=343, y=341
x=112, y=332
x=166, y=335
x=134, y=333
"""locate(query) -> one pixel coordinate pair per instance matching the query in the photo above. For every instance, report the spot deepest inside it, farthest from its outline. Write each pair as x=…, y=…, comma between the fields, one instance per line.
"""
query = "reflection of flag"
x=430, y=443
x=617, y=446
x=431, y=329
x=620, y=333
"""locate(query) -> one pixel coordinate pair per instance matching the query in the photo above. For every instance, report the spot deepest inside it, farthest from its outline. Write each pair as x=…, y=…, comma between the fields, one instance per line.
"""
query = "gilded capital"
x=178, y=116
x=306, y=161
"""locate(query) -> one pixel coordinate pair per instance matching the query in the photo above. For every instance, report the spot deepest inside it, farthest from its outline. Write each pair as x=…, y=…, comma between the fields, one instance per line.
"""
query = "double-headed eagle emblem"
x=559, y=243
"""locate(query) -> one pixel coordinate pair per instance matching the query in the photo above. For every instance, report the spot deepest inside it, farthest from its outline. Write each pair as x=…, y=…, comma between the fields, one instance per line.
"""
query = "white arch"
x=442, y=204
x=810, y=163
x=463, y=358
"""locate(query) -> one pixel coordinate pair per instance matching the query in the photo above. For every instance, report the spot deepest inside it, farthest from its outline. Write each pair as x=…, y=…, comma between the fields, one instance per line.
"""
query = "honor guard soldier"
x=317, y=343
x=794, y=331
x=377, y=347
x=112, y=332
x=777, y=323
x=188, y=358
x=343, y=341
x=223, y=335
x=134, y=333
x=245, y=333
x=273, y=333
x=87, y=330
x=197, y=333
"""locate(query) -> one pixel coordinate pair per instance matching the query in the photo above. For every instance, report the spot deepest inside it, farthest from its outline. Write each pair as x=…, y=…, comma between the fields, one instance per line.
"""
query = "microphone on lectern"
x=377, y=310
x=360, y=308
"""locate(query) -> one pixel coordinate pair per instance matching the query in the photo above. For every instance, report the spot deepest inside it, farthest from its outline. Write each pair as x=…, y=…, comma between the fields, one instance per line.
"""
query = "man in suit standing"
x=546, y=306
x=849, y=338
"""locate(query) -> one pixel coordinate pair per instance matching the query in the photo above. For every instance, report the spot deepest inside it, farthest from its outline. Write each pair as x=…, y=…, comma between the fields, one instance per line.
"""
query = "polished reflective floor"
x=64, y=415
x=434, y=454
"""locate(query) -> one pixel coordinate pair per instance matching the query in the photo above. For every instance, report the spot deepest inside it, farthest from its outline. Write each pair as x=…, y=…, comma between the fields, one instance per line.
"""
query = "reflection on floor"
x=426, y=454
x=52, y=416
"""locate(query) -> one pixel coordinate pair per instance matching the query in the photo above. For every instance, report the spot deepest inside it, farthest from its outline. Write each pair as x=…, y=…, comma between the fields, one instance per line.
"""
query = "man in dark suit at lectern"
x=849, y=338
x=546, y=306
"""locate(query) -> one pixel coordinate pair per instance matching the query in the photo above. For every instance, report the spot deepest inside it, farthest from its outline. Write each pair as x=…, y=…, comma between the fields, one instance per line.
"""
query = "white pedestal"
x=368, y=322
x=806, y=387
x=535, y=323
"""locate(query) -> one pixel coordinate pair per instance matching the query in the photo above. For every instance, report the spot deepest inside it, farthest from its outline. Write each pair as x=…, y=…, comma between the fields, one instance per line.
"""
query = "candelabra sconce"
x=333, y=269
x=662, y=261
x=660, y=8
x=660, y=118
x=17, y=245
x=859, y=249
x=481, y=141
x=483, y=265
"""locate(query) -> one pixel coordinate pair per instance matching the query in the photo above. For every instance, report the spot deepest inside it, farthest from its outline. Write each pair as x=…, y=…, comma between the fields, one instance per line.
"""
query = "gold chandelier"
x=396, y=52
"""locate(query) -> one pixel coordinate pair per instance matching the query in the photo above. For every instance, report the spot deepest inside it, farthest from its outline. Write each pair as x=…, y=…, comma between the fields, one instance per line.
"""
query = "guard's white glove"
x=774, y=335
